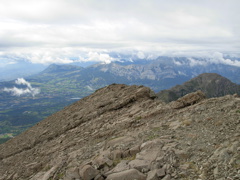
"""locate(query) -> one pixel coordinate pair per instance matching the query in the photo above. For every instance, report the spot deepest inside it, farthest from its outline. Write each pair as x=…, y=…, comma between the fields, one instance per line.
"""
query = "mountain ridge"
x=212, y=84
x=123, y=131
x=55, y=68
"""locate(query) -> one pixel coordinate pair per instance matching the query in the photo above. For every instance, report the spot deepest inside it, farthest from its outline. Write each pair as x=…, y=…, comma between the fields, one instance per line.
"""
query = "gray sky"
x=48, y=31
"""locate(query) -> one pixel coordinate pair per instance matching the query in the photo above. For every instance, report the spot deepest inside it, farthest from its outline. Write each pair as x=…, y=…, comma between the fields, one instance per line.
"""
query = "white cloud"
x=22, y=81
x=22, y=91
x=140, y=55
x=196, y=62
x=177, y=62
x=94, y=56
x=218, y=58
x=17, y=91
x=57, y=30
x=213, y=58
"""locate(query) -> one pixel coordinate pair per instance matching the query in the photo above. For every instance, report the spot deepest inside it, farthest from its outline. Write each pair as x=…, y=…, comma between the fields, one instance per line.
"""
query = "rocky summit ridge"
x=212, y=84
x=125, y=132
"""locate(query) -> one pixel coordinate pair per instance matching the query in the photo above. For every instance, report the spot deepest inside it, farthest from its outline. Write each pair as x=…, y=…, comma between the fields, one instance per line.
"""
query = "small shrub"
x=138, y=117
x=60, y=175
x=129, y=158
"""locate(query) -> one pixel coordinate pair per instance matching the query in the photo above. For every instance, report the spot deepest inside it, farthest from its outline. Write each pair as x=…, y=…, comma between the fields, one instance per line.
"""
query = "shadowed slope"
x=213, y=85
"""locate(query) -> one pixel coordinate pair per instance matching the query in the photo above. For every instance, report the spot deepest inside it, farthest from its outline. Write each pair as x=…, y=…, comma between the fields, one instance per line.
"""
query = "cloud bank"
x=20, y=91
x=214, y=58
x=60, y=31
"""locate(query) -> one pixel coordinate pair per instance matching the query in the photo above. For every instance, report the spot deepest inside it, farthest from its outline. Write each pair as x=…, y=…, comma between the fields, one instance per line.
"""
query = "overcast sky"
x=49, y=31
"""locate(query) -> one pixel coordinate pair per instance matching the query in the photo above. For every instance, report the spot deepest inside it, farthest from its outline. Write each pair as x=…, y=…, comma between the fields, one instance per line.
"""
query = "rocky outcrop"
x=188, y=100
x=153, y=159
x=124, y=132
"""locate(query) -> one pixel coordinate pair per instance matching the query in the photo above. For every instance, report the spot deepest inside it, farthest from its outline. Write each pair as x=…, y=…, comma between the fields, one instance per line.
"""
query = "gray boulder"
x=127, y=175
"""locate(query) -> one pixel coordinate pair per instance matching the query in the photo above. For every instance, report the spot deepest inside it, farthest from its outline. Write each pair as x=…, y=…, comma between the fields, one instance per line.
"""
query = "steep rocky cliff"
x=124, y=132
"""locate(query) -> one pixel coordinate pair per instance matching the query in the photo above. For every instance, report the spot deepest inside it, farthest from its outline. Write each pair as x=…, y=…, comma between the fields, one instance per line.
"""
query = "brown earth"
x=124, y=132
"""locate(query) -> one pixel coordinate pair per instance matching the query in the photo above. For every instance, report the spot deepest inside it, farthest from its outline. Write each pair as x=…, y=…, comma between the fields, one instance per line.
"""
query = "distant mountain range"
x=18, y=69
x=61, y=85
x=166, y=72
x=24, y=69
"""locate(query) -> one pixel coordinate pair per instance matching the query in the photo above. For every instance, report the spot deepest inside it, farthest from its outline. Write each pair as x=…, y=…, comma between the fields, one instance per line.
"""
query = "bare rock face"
x=188, y=100
x=127, y=175
x=123, y=132
x=87, y=172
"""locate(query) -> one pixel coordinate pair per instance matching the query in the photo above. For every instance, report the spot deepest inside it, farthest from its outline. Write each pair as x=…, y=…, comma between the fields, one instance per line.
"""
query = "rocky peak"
x=124, y=132
x=211, y=84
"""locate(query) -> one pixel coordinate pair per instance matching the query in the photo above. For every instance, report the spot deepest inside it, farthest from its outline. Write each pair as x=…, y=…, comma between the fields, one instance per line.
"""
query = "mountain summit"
x=212, y=84
x=124, y=132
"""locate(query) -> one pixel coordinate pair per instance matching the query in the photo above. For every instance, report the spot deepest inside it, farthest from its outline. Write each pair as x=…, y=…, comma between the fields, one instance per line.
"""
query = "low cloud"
x=218, y=58
x=140, y=55
x=195, y=62
x=22, y=91
x=213, y=58
x=177, y=63
x=102, y=57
